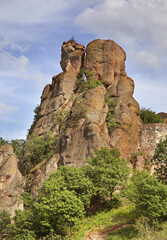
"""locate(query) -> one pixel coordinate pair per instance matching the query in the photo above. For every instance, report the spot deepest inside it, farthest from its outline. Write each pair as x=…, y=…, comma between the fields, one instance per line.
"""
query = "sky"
x=31, y=35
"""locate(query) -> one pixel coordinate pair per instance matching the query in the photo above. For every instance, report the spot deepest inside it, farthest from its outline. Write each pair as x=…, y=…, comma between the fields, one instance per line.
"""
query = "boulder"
x=11, y=180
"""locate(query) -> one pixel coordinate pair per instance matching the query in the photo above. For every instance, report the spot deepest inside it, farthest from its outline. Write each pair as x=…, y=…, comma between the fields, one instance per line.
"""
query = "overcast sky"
x=31, y=34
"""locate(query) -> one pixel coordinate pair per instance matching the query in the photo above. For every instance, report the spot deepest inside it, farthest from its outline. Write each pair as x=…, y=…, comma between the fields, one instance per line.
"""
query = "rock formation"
x=11, y=180
x=106, y=60
x=78, y=118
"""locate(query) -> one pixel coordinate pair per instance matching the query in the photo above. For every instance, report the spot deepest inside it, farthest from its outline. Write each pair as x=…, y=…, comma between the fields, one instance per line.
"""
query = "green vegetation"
x=86, y=81
x=149, y=195
x=148, y=116
x=107, y=171
x=3, y=141
x=69, y=195
x=160, y=160
x=78, y=111
x=36, y=116
x=18, y=145
x=5, y=219
x=74, y=201
x=111, y=122
x=36, y=149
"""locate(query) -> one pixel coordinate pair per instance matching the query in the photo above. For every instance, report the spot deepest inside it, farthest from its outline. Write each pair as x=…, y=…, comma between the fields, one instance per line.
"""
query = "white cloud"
x=10, y=62
x=6, y=110
x=7, y=43
x=137, y=25
x=30, y=12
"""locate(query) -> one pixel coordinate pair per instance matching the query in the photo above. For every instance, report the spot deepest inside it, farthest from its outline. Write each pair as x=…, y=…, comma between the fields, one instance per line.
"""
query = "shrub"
x=24, y=225
x=36, y=149
x=3, y=141
x=160, y=160
x=75, y=179
x=58, y=212
x=18, y=145
x=149, y=195
x=148, y=116
x=36, y=116
x=86, y=81
x=107, y=172
x=5, y=219
x=77, y=112
x=111, y=122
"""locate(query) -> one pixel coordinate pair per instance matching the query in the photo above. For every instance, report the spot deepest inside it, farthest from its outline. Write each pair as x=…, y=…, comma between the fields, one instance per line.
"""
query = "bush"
x=149, y=195
x=111, y=122
x=24, y=225
x=5, y=219
x=36, y=149
x=36, y=116
x=160, y=160
x=107, y=170
x=86, y=81
x=75, y=179
x=68, y=194
x=148, y=116
x=3, y=141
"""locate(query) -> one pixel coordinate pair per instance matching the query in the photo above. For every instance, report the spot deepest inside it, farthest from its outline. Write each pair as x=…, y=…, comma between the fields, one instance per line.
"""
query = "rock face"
x=106, y=60
x=78, y=118
x=11, y=180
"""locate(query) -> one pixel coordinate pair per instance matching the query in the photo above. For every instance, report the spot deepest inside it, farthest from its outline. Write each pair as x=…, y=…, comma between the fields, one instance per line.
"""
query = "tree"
x=5, y=219
x=107, y=170
x=35, y=119
x=3, y=141
x=75, y=179
x=58, y=212
x=160, y=160
x=18, y=145
x=149, y=195
x=23, y=227
x=36, y=149
x=148, y=116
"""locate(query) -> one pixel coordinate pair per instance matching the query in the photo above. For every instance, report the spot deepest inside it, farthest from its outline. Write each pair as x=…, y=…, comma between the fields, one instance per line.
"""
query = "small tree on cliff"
x=148, y=116
x=160, y=160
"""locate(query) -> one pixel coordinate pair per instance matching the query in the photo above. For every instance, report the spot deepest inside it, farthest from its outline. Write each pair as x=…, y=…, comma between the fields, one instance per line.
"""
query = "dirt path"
x=101, y=234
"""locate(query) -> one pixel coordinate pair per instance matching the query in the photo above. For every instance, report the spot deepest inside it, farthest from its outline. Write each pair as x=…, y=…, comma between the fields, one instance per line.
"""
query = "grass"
x=108, y=218
x=102, y=219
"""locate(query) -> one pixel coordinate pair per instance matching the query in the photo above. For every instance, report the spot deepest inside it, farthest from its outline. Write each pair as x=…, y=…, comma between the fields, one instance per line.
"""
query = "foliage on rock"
x=86, y=81
x=110, y=120
x=36, y=149
x=149, y=116
x=36, y=116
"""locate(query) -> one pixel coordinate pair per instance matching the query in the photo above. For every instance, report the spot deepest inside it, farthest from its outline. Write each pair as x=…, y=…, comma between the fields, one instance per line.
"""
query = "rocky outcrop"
x=106, y=60
x=11, y=180
x=58, y=95
x=78, y=118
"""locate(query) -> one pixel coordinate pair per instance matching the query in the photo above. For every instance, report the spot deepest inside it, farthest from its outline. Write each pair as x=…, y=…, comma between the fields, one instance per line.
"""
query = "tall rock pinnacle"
x=84, y=113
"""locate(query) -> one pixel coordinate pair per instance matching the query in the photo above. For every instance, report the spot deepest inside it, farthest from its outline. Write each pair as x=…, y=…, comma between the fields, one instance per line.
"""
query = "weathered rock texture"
x=84, y=113
x=150, y=136
x=11, y=180
x=106, y=60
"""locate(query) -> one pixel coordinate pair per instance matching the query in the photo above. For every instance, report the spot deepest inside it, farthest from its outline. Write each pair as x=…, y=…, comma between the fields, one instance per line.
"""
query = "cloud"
x=11, y=62
x=134, y=24
x=6, y=110
x=30, y=12
x=6, y=44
